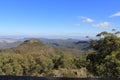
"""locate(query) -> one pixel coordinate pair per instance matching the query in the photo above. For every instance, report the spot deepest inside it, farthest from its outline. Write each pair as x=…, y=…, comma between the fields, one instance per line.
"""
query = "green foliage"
x=105, y=62
x=33, y=58
x=80, y=62
x=39, y=64
x=64, y=61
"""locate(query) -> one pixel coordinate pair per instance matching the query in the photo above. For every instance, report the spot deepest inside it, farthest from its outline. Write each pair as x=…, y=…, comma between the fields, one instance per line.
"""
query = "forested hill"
x=66, y=43
x=36, y=46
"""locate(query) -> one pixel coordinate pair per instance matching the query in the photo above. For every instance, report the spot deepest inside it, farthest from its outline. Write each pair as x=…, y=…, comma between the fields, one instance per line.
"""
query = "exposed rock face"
x=32, y=41
x=31, y=46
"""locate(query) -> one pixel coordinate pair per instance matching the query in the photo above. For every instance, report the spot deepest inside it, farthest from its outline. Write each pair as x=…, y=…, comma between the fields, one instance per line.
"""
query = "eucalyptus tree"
x=102, y=61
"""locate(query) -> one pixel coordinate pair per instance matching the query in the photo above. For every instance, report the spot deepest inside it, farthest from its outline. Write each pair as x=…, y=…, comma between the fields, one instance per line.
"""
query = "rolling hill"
x=36, y=46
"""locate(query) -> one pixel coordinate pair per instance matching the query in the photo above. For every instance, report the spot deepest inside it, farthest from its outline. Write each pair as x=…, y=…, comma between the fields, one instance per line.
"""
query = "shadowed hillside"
x=68, y=43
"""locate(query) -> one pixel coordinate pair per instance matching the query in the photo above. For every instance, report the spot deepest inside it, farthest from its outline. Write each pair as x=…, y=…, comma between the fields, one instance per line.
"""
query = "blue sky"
x=58, y=17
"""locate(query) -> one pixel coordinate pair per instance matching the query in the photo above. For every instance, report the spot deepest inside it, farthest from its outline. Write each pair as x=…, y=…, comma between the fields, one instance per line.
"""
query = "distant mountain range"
x=66, y=43
x=9, y=42
x=36, y=46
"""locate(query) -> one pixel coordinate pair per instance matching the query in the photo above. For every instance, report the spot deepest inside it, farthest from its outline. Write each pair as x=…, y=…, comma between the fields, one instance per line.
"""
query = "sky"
x=58, y=17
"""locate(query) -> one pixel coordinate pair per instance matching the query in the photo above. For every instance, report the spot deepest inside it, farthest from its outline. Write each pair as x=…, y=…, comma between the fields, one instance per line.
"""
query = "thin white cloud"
x=115, y=15
x=103, y=25
x=86, y=19
x=77, y=24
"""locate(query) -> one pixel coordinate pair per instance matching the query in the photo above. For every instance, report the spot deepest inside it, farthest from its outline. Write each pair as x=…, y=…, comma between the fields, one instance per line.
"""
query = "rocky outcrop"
x=32, y=41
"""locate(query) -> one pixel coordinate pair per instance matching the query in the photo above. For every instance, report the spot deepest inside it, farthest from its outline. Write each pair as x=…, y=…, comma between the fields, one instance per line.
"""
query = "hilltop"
x=66, y=43
x=30, y=46
x=37, y=46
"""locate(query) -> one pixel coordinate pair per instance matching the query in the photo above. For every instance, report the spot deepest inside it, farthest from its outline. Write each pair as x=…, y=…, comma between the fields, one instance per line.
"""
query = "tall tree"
x=99, y=60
